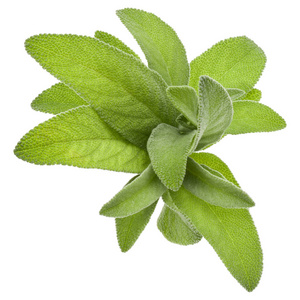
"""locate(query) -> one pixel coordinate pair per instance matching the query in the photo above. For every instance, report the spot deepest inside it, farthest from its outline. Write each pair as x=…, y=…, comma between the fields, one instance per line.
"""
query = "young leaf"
x=230, y=232
x=254, y=95
x=168, y=150
x=235, y=63
x=131, y=227
x=130, y=97
x=136, y=196
x=217, y=111
x=80, y=138
x=114, y=41
x=252, y=116
x=160, y=43
x=235, y=94
x=213, y=189
x=58, y=98
x=174, y=229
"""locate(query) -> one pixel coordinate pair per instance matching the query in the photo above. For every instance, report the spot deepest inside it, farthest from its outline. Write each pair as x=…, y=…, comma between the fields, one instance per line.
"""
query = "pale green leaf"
x=235, y=63
x=185, y=99
x=252, y=116
x=58, y=98
x=168, y=149
x=80, y=138
x=128, y=96
x=217, y=111
x=235, y=94
x=131, y=227
x=160, y=43
x=253, y=94
x=114, y=41
x=136, y=196
x=213, y=189
x=231, y=232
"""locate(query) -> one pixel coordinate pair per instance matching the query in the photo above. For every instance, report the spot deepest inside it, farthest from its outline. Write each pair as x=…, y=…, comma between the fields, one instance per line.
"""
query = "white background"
x=54, y=245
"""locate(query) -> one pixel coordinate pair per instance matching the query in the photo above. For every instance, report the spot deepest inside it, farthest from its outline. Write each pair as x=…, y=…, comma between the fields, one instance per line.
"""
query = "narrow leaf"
x=213, y=189
x=80, y=138
x=168, y=150
x=235, y=94
x=128, y=96
x=235, y=63
x=163, y=49
x=58, y=98
x=136, y=196
x=252, y=116
x=130, y=228
x=254, y=95
x=114, y=41
x=230, y=232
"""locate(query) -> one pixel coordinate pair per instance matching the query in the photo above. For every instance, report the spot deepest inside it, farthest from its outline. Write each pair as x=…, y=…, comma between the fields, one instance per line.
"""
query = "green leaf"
x=185, y=99
x=128, y=96
x=80, y=138
x=58, y=98
x=174, y=229
x=214, y=162
x=235, y=94
x=235, y=63
x=231, y=232
x=252, y=116
x=213, y=189
x=254, y=95
x=114, y=41
x=131, y=227
x=168, y=149
x=160, y=43
x=217, y=111
x=136, y=196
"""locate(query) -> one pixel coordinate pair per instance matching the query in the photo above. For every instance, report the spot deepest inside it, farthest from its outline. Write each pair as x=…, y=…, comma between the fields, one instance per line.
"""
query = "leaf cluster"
x=115, y=113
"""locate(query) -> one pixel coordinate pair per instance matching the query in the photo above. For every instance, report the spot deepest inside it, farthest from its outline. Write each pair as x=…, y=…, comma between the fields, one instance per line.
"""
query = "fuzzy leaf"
x=254, y=95
x=160, y=43
x=58, y=98
x=130, y=228
x=235, y=94
x=128, y=96
x=252, y=116
x=213, y=189
x=168, y=150
x=80, y=138
x=136, y=196
x=235, y=63
x=114, y=41
x=217, y=111
x=230, y=232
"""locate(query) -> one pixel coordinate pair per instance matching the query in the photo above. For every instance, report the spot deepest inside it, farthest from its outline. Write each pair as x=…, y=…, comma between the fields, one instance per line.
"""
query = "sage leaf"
x=80, y=138
x=114, y=41
x=58, y=98
x=136, y=196
x=252, y=116
x=128, y=96
x=235, y=94
x=235, y=63
x=130, y=228
x=163, y=49
x=231, y=232
x=168, y=150
x=213, y=189
x=254, y=95
x=217, y=111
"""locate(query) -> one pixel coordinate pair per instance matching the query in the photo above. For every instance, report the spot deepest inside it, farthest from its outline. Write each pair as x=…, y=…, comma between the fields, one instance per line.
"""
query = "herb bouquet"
x=115, y=113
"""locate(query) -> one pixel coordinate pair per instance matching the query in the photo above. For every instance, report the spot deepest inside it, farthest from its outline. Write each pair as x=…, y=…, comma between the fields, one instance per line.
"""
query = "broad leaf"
x=160, y=43
x=230, y=232
x=130, y=97
x=235, y=63
x=114, y=41
x=58, y=98
x=168, y=149
x=235, y=94
x=213, y=189
x=136, y=196
x=131, y=227
x=217, y=111
x=80, y=138
x=254, y=95
x=252, y=116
